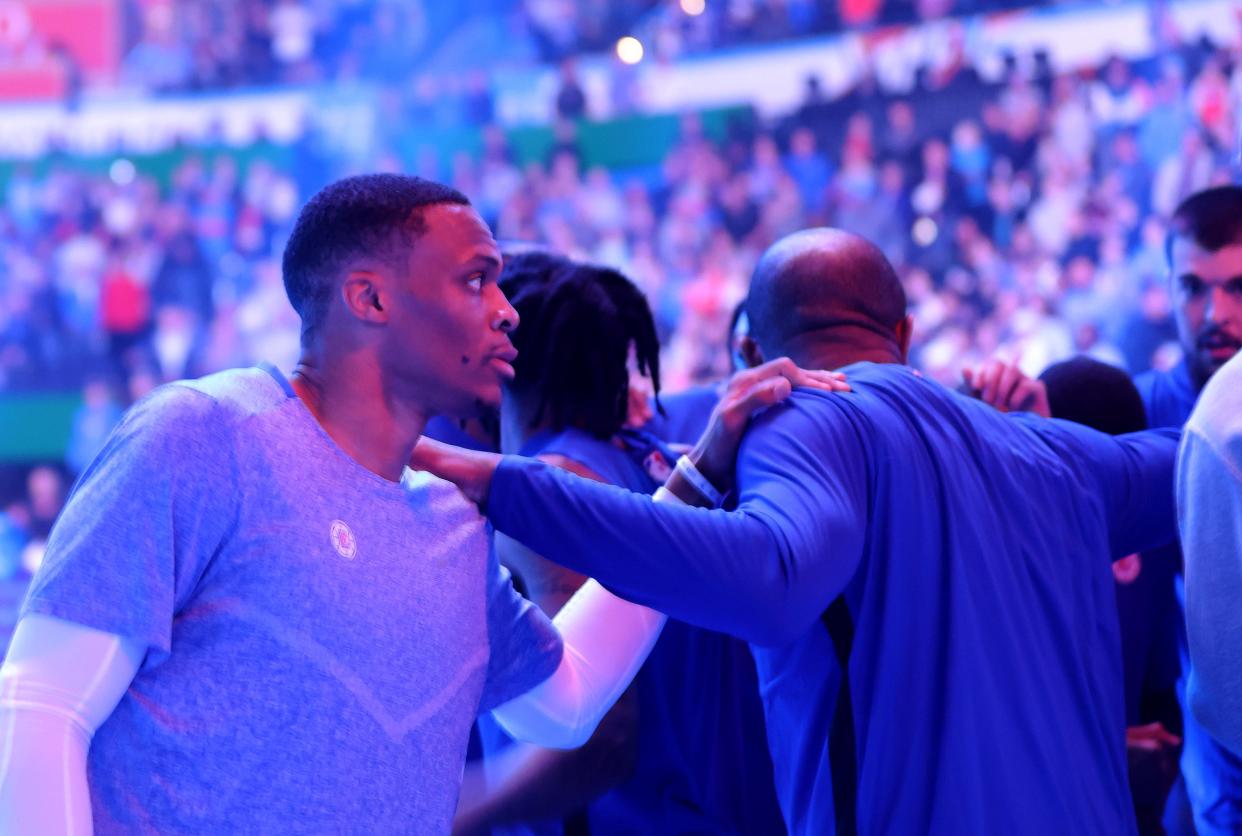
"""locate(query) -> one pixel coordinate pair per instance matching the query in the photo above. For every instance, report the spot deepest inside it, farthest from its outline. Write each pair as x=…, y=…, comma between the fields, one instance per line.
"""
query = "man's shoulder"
x=1218, y=415
x=442, y=501
x=209, y=406
x=238, y=392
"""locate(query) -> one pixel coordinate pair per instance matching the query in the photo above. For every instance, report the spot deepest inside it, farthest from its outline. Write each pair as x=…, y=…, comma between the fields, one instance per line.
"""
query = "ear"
x=903, y=332
x=751, y=352
x=363, y=295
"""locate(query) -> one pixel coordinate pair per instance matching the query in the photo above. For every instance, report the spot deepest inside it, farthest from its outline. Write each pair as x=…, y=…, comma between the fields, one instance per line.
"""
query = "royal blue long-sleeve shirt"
x=971, y=549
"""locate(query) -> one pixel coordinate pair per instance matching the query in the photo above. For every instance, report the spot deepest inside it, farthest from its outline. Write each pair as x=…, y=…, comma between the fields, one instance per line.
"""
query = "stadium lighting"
x=694, y=8
x=925, y=232
x=122, y=172
x=630, y=50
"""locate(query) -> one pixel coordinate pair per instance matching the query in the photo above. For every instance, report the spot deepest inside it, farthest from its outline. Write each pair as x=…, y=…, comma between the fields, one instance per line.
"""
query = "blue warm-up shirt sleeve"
x=1136, y=478
x=763, y=572
x=1133, y=475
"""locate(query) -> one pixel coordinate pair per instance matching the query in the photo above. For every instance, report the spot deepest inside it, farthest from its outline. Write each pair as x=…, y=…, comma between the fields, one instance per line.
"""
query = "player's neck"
x=834, y=348
x=374, y=428
x=838, y=355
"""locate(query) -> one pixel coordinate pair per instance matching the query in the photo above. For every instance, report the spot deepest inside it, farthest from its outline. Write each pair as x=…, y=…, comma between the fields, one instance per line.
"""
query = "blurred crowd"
x=1026, y=218
x=561, y=28
x=188, y=45
x=192, y=45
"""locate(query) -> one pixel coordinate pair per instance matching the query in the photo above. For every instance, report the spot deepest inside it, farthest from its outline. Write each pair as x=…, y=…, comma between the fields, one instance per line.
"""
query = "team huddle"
x=827, y=595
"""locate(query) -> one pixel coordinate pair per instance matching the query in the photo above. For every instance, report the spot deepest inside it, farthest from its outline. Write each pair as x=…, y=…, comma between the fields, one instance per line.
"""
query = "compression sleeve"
x=764, y=572
x=606, y=641
x=59, y=682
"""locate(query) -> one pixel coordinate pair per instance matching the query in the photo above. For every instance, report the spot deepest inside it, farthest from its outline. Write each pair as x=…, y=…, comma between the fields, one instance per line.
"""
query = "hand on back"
x=1003, y=385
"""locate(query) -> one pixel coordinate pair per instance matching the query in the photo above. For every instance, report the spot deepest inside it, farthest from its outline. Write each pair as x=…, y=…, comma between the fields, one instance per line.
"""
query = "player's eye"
x=475, y=282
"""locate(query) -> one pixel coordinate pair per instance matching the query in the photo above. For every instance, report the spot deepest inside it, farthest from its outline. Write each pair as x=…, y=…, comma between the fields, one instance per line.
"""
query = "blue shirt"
x=703, y=764
x=319, y=639
x=971, y=548
x=1169, y=396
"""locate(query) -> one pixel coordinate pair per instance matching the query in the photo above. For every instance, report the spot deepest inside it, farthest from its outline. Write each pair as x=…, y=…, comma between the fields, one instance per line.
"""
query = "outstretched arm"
x=59, y=683
x=762, y=573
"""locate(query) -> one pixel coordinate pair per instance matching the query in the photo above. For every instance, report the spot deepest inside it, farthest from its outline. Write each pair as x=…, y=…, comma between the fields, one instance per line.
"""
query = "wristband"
x=663, y=494
x=698, y=481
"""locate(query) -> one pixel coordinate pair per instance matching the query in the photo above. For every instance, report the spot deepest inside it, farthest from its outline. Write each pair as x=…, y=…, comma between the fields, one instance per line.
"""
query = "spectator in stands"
x=160, y=62
x=571, y=100
x=92, y=423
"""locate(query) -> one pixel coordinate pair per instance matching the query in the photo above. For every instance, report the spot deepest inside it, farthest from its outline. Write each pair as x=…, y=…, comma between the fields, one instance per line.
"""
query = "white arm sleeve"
x=607, y=639
x=59, y=682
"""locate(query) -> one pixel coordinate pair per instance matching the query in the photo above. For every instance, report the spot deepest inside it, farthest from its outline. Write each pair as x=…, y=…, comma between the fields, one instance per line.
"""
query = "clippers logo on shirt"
x=343, y=540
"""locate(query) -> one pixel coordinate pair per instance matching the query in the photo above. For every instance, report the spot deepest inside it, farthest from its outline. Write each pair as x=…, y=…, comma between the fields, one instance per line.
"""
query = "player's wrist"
x=693, y=486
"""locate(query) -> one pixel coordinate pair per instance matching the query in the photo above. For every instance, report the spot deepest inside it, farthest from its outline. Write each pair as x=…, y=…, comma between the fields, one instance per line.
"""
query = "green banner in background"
x=36, y=427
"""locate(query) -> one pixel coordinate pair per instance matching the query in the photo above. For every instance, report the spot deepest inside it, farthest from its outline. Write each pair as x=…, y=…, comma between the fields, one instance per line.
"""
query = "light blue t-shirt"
x=319, y=639
x=1209, y=474
x=1212, y=773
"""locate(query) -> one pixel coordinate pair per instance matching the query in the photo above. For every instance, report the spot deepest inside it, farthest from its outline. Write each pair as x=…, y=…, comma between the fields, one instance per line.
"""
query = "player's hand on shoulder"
x=469, y=470
x=746, y=393
x=1006, y=387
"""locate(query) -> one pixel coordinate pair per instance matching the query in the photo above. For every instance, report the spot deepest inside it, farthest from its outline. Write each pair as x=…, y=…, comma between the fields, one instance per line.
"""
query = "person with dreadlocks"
x=684, y=750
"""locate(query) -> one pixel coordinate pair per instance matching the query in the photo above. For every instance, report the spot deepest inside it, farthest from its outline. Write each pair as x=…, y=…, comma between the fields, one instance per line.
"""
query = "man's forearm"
x=726, y=571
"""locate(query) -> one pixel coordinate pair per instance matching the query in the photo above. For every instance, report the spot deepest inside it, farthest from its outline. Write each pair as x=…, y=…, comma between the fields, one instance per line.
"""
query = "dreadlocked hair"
x=578, y=323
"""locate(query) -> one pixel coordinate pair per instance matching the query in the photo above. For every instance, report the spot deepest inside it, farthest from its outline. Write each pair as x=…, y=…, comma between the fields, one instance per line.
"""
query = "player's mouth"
x=502, y=362
x=1220, y=347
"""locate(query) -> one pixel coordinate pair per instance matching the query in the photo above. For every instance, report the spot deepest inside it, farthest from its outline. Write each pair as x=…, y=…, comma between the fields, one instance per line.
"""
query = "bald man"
x=945, y=557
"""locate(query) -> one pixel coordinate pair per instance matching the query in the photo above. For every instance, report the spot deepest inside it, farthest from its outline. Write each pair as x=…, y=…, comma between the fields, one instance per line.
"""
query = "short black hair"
x=364, y=215
x=822, y=278
x=578, y=323
x=1094, y=394
x=1211, y=219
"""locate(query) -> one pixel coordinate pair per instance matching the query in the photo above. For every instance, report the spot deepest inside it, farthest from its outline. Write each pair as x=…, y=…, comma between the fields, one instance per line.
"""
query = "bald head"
x=824, y=284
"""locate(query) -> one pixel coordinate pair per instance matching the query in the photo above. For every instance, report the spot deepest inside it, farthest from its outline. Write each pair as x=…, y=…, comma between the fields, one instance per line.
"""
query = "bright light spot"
x=925, y=232
x=122, y=172
x=694, y=8
x=630, y=50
